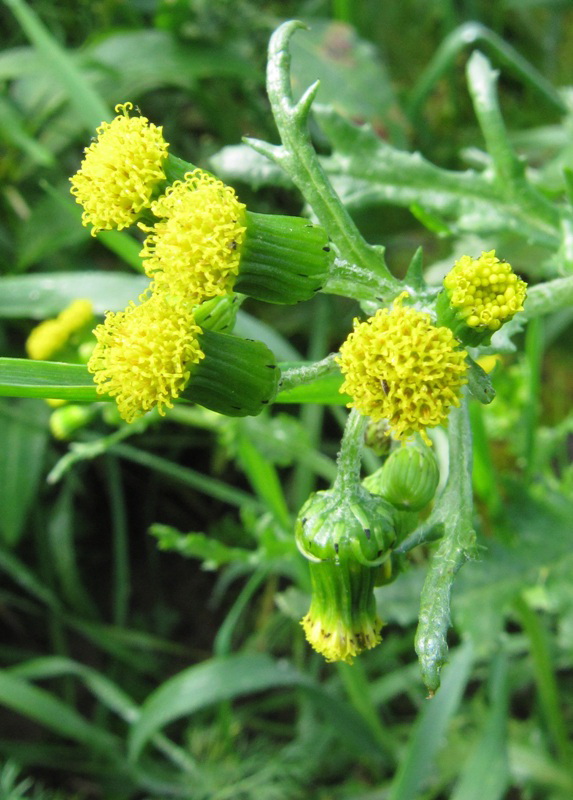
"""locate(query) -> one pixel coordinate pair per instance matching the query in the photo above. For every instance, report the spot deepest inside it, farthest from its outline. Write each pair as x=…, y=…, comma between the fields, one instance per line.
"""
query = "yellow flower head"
x=143, y=355
x=484, y=291
x=194, y=249
x=398, y=366
x=52, y=335
x=337, y=641
x=120, y=171
x=342, y=621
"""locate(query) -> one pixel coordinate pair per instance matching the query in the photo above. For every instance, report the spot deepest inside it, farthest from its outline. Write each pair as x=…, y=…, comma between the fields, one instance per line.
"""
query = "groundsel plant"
x=406, y=369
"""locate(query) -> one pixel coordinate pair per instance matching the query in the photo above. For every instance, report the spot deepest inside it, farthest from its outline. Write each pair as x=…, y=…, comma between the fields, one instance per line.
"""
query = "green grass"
x=151, y=587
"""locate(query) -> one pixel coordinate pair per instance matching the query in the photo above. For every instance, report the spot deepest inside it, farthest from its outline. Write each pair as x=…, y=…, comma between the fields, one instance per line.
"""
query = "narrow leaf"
x=22, y=378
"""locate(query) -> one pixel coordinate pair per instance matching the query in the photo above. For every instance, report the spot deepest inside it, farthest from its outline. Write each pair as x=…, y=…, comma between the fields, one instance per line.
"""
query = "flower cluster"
x=400, y=367
x=201, y=244
x=120, y=171
x=52, y=335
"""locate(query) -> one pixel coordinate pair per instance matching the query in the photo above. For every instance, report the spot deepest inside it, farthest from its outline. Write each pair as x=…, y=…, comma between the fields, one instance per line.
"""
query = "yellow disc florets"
x=334, y=640
x=51, y=335
x=398, y=366
x=120, y=170
x=194, y=248
x=485, y=291
x=143, y=355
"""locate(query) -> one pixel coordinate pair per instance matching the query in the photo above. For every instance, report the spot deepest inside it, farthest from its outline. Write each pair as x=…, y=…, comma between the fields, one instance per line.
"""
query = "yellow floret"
x=120, y=171
x=485, y=291
x=52, y=335
x=334, y=640
x=194, y=249
x=400, y=367
x=143, y=355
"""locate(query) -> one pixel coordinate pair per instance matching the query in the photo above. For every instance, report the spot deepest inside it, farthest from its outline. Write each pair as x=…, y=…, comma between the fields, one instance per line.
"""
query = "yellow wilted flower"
x=120, y=171
x=342, y=621
x=52, y=335
x=399, y=366
x=194, y=248
x=143, y=355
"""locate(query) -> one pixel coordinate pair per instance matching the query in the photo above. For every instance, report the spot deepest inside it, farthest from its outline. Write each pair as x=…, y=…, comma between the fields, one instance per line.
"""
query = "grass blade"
x=88, y=105
x=429, y=732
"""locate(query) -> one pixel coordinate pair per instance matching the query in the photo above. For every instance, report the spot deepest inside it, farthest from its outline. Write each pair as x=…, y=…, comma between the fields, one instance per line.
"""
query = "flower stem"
x=350, y=456
x=297, y=376
x=299, y=160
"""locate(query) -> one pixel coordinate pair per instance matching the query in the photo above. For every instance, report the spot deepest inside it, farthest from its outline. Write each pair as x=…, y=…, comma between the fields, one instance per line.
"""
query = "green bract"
x=355, y=526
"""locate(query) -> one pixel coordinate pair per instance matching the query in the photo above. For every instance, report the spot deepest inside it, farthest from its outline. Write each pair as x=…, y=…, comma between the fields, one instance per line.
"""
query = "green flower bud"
x=408, y=479
x=66, y=420
x=354, y=526
x=342, y=620
x=218, y=313
x=378, y=437
x=479, y=296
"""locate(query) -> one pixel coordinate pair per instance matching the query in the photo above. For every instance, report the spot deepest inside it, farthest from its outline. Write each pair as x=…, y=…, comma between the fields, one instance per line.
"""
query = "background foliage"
x=151, y=590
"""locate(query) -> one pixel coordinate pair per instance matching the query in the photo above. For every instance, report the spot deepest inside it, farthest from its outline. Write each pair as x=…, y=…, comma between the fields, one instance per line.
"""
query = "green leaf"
x=239, y=162
x=486, y=772
x=24, y=435
x=60, y=67
x=353, y=79
x=453, y=510
x=210, y=551
x=45, y=709
x=46, y=294
x=366, y=170
x=207, y=683
x=263, y=478
x=14, y=131
x=479, y=383
x=429, y=733
x=234, y=676
x=139, y=61
x=538, y=551
x=22, y=378
x=249, y=327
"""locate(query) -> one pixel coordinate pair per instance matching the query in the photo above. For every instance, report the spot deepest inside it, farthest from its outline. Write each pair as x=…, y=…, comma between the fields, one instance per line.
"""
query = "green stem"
x=297, y=376
x=454, y=510
x=121, y=576
x=312, y=415
x=342, y=10
x=509, y=169
x=350, y=456
x=534, y=355
x=544, y=298
x=299, y=160
x=468, y=35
